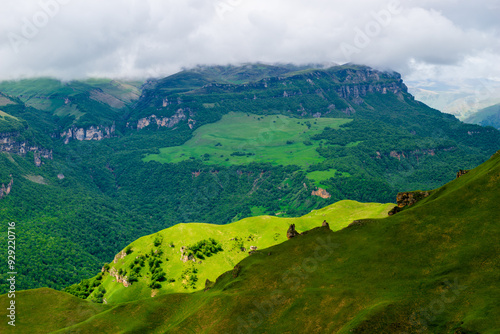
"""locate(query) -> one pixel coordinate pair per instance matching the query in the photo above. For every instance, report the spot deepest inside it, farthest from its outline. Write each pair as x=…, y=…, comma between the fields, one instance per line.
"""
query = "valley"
x=147, y=197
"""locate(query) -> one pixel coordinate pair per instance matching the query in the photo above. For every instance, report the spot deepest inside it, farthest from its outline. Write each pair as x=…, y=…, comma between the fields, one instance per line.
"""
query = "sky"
x=426, y=40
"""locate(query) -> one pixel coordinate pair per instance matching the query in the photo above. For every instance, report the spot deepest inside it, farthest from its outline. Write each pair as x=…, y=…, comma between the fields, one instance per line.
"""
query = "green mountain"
x=181, y=258
x=257, y=140
x=489, y=116
x=431, y=268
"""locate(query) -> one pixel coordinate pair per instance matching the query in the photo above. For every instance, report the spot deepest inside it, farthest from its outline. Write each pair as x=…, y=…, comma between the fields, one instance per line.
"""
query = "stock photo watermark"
x=292, y=278
x=11, y=262
x=363, y=35
x=32, y=25
x=227, y=6
x=421, y=319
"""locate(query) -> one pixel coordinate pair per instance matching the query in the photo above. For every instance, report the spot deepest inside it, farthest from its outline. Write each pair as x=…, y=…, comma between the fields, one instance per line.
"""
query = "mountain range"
x=88, y=167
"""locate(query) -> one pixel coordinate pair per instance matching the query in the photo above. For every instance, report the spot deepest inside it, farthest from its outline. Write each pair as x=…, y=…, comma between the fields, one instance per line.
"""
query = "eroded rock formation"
x=406, y=199
x=9, y=143
x=96, y=132
x=291, y=233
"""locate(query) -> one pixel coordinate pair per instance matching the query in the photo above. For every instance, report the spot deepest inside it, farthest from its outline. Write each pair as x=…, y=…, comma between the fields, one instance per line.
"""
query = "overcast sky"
x=426, y=39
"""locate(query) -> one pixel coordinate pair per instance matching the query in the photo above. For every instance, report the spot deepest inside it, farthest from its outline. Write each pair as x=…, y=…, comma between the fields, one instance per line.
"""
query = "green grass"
x=9, y=123
x=432, y=268
x=262, y=231
x=274, y=139
x=323, y=175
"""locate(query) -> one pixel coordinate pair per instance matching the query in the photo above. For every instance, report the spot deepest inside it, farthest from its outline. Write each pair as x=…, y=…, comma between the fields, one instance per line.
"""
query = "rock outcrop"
x=462, y=172
x=9, y=143
x=291, y=233
x=119, y=278
x=119, y=256
x=406, y=199
x=5, y=190
x=168, y=122
x=186, y=257
x=96, y=132
x=321, y=193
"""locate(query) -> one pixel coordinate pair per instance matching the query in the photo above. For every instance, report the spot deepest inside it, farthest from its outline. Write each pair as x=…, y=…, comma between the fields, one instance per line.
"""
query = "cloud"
x=131, y=38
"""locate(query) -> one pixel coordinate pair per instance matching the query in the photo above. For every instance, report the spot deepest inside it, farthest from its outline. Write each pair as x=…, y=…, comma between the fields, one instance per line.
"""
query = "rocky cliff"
x=5, y=190
x=9, y=142
x=94, y=132
x=168, y=122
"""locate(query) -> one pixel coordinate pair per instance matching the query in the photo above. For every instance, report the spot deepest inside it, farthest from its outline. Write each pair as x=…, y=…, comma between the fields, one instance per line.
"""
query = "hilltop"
x=431, y=268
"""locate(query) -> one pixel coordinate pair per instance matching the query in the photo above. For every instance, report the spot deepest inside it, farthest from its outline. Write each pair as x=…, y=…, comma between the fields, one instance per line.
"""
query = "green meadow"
x=240, y=138
x=323, y=175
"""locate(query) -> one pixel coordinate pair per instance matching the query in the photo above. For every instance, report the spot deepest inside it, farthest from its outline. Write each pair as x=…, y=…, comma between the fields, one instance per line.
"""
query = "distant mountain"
x=489, y=116
x=462, y=100
x=431, y=268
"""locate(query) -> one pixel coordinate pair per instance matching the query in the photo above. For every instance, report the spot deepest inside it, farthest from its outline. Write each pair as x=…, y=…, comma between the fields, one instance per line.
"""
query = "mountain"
x=431, y=268
x=462, y=99
x=489, y=116
x=257, y=140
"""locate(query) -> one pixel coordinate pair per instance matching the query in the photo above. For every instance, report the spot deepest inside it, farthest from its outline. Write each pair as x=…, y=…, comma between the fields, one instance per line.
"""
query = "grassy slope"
x=432, y=268
x=9, y=123
x=48, y=94
x=66, y=310
x=263, y=136
x=262, y=232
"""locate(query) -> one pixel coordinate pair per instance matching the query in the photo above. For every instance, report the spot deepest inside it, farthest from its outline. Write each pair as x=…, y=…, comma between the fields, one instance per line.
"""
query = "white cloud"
x=131, y=38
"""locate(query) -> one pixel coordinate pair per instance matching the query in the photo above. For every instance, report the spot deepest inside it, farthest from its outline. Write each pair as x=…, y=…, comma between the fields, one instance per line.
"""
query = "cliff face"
x=168, y=122
x=5, y=190
x=96, y=132
x=9, y=143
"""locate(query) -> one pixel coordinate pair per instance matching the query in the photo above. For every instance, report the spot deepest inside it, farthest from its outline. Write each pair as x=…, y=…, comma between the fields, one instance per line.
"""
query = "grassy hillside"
x=432, y=268
x=83, y=103
x=243, y=138
x=9, y=123
x=165, y=245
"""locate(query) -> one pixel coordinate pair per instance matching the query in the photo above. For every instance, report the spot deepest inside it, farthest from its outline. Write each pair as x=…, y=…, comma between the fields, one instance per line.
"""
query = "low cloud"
x=130, y=38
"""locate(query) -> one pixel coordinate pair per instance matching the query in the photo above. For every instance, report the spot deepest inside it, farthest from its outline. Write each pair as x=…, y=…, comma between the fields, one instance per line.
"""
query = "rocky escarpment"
x=92, y=133
x=9, y=142
x=5, y=190
x=406, y=199
x=168, y=122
